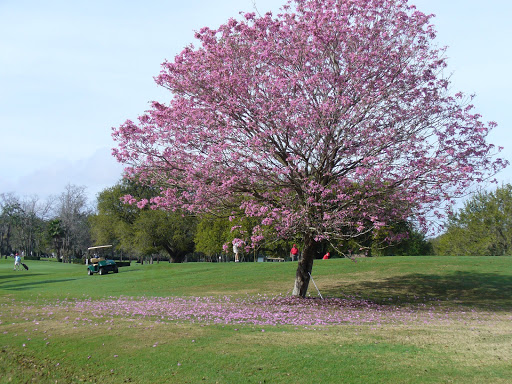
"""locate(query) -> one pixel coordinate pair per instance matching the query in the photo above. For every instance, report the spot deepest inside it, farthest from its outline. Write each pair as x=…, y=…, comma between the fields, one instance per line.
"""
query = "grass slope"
x=44, y=338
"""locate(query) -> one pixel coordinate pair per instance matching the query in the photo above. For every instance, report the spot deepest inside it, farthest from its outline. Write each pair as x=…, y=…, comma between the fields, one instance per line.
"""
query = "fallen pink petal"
x=259, y=310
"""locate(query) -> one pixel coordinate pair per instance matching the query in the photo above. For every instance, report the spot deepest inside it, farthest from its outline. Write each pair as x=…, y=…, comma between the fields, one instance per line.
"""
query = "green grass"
x=472, y=345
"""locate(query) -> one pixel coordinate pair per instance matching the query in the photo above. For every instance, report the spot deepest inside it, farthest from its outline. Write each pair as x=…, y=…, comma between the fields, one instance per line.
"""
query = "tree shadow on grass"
x=18, y=275
x=24, y=286
x=483, y=290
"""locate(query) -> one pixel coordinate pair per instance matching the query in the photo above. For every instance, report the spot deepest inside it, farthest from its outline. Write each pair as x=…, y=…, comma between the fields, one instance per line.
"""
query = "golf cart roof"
x=99, y=247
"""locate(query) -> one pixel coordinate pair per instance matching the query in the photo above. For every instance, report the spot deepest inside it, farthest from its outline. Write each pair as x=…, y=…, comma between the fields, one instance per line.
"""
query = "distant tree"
x=172, y=232
x=73, y=213
x=56, y=233
x=215, y=235
x=10, y=217
x=211, y=235
x=141, y=231
x=482, y=227
x=330, y=120
x=111, y=213
x=23, y=223
x=36, y=214
x=411, y=242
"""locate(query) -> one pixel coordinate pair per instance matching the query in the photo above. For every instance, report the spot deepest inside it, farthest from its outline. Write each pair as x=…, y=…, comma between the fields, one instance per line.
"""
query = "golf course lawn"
x=380, y=320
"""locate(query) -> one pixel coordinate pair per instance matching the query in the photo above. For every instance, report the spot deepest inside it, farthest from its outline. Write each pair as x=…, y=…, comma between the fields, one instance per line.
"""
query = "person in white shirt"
x=236, y=252
x=17, y=262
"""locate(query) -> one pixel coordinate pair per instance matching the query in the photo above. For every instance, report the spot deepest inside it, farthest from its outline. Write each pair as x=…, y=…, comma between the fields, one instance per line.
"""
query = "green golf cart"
x=100, y=260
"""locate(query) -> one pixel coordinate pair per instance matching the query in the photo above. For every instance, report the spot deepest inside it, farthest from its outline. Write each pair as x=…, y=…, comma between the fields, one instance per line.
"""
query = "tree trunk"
x=175, y=257
x=304, y=267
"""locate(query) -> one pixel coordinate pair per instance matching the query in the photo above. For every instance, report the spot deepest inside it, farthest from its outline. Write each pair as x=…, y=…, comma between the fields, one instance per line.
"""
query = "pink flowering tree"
x=330, y=120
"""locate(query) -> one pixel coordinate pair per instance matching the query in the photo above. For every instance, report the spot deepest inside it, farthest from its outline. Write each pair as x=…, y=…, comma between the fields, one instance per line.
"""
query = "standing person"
x=17, y=262
x=294, y=253
x=236, y=252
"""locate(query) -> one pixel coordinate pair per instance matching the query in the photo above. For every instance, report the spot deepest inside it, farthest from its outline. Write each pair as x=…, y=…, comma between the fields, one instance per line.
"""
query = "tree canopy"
x=483, y=227
x=330, y=120
x=145, y=231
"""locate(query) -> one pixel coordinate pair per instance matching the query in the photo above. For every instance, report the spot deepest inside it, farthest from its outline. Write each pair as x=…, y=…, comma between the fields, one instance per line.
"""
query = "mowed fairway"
x=382, y=320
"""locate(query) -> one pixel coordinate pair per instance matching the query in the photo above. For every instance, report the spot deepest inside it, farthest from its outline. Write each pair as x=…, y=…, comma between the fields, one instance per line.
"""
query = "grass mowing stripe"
x=469, y=342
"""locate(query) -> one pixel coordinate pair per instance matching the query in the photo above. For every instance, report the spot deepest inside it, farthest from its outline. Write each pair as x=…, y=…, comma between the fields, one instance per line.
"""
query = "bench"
x=275, y=259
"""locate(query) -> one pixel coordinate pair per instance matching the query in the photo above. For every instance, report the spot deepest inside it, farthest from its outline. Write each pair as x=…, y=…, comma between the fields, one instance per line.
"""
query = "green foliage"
x=211, y=234
x=10, y=219
x=482, y=227
x=140, y=231
x=23, y=224
x=173, y=232
x=55, y=229
x=56, y=232
x=414, y=242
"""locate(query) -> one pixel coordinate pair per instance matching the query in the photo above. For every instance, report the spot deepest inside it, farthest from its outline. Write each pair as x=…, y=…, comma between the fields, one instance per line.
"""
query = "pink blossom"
x=310, y=122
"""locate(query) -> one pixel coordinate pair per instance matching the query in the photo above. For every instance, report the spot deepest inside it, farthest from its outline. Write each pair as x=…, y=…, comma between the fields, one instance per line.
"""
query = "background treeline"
x=58, y=226
x=483, y=226
x=64, y=226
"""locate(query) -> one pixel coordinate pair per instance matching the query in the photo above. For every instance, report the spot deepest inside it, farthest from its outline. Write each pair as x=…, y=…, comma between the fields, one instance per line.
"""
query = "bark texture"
x=304, y=268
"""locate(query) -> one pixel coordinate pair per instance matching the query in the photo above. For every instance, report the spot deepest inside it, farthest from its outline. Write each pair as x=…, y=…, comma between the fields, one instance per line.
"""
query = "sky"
x=72, y=70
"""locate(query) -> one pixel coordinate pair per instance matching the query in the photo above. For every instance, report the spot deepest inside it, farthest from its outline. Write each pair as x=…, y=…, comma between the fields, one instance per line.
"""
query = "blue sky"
x=71, y=70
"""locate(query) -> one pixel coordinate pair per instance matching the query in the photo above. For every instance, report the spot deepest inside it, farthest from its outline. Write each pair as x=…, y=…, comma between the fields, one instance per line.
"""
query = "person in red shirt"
x=326, y=256
x=294, y=253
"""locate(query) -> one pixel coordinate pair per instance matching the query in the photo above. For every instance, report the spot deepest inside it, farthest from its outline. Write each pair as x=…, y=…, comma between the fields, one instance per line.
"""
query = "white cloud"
x=96, y=173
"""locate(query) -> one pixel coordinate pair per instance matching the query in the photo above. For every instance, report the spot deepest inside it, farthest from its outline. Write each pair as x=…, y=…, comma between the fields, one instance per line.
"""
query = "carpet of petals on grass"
x=256, y=310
